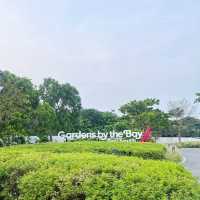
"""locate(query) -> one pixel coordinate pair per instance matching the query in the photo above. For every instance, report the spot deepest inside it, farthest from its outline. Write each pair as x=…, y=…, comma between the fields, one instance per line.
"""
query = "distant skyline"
x=111, y=51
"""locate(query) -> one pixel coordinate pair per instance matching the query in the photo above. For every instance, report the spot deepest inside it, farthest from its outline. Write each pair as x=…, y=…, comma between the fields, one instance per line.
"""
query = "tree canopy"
x=44, y=110
x=143, y=114
x=65, y=101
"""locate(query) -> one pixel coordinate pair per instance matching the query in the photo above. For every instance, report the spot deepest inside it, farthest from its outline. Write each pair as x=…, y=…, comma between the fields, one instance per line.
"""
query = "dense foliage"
x=189, y=145
x=65, y=101
x=146, y=151
x=93, y=120
x=144, y=114
x=26, y=109
x=47, y=172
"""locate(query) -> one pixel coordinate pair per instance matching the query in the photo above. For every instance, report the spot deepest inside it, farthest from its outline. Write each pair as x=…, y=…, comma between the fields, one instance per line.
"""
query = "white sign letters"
x=126, y=134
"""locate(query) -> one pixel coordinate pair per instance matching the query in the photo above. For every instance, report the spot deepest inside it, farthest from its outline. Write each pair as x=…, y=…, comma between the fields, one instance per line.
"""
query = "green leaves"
x=143, y=114
x=26, y=110
x=92, y=120
x=135, y=107
x=37, y=172
x=44, y=120
x=66, y=102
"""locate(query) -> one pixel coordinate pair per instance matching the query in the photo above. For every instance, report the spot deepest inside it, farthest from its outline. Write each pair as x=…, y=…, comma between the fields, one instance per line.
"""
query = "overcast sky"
x=113, y=51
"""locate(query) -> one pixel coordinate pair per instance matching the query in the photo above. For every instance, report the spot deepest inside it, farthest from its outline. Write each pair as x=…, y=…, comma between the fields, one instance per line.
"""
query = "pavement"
x=191, y=160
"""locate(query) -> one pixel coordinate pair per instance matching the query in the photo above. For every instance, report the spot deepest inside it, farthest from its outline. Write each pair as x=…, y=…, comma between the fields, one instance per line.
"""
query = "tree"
x=44, y=120
x=190, y=127
x=15, y=108
x=122, y=124
x=109, y=119
x=66, y=102
x=155, y=119
x=142, y=114
x=135, y=107
x=18, y=99
x=178, y=110
x=92, y=120
x=21, y=84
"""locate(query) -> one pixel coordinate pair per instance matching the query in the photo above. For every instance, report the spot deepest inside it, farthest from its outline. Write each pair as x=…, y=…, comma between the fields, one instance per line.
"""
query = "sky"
x=112, y=51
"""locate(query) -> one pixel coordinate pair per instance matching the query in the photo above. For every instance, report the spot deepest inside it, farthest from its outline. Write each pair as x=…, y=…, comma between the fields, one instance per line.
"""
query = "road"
x=192, y=160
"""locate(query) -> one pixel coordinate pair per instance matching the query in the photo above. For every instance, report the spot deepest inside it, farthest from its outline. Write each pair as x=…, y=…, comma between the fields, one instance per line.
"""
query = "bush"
x=85, y=170
x=146, y=150
x=77, y=176
x=189, y=145
x=19, y=140
x=43, y=139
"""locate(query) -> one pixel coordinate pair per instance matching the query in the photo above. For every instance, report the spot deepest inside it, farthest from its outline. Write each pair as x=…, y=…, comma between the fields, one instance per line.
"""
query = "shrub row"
x=146, y=150
x=79, y=176
x=189, y=145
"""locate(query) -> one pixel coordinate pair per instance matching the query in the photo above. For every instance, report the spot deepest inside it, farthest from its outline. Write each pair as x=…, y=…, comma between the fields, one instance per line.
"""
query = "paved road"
x=192, y=161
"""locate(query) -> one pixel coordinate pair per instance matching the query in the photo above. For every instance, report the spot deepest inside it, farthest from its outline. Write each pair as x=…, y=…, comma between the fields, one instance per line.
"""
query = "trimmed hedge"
x=146, y=150
x=86, y=171
x=78, y=176
x=189, y=145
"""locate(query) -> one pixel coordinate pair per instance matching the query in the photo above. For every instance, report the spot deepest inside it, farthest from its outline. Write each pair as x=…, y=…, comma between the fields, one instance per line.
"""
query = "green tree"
x=143, y=113
x=122, y=124
x=44, y=120
x=21, y=84
x=18, y=99
x=14, y=112
x=92, y=120
x=190, y=127
x=135, y=108
x=66, y=102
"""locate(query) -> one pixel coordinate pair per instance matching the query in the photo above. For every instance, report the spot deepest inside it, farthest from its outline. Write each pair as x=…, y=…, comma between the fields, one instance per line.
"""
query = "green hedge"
x=85, y=170
x=146, y=150
x=77, y=176
x=189, y=145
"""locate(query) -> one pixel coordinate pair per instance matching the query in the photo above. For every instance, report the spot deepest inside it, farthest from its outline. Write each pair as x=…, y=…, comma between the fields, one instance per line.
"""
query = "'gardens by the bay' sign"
x=112, y=135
